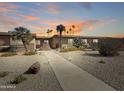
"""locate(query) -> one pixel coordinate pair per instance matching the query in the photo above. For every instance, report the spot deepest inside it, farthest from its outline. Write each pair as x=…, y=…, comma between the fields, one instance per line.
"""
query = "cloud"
x=3, y=9
x=95, y=23
x=52, y=8
x=86, y=5
x=39, y=28
x=118, y=35
x=7, y=23
x=29, y=17
x=7, y=7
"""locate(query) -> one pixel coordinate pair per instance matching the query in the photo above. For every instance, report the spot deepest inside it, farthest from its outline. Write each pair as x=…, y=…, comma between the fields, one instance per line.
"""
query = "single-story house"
x=6, y=41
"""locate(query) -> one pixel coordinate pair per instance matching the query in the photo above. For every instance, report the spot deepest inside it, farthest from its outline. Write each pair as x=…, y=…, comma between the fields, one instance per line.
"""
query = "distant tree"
x=23, y=34
x=70, y=30
x=67, y=32
x=49, y=31
x=60, y=28
x=73, y=27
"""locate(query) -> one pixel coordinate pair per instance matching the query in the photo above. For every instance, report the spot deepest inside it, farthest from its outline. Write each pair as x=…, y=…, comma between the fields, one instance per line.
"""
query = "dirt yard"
x=111, y=71
x=17, y=65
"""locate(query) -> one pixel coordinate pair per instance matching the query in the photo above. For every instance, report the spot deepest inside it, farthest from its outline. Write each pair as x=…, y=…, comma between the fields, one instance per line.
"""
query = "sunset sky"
x=90, y=19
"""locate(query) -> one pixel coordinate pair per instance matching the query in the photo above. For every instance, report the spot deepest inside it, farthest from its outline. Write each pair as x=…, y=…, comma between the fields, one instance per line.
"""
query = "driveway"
x=71, y=77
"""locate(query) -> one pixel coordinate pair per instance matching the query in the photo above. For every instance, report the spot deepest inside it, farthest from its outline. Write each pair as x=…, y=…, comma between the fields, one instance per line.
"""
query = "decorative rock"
x=33, y=69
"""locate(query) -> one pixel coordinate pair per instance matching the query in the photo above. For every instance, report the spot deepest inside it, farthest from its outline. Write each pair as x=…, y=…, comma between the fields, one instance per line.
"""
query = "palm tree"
x=70, y=30
x=49, y=31
x=60, y=28
x=73, y=27
x=67, y=32
x=23, y=34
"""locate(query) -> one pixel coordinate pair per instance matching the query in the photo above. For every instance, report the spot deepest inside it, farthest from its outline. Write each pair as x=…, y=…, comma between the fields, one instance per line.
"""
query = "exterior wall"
x=17, y=45
x=39, y=43
x=4, y=40
x=4, y=43
x=64, y=40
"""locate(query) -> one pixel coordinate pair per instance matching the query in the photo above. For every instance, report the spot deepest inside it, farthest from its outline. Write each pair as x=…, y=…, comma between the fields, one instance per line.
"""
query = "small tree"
x=77, y=42
x=23, y=34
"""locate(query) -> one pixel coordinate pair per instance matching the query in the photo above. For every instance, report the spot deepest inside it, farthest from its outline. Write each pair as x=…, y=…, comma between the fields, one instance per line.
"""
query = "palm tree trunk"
x=60, y=39
x=73, y=31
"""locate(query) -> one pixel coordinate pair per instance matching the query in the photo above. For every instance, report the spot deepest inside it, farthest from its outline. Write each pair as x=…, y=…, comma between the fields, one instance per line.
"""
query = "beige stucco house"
x=38, y=42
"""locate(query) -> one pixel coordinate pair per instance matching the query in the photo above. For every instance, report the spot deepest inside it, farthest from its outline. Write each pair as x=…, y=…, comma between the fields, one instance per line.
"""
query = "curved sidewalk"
x=73, y=78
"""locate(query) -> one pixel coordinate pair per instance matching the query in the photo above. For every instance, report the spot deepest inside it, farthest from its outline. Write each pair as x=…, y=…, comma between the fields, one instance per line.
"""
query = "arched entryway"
x=42, y=44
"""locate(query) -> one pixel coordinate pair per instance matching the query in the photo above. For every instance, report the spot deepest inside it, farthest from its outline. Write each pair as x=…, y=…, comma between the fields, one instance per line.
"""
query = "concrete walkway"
x=71, y=77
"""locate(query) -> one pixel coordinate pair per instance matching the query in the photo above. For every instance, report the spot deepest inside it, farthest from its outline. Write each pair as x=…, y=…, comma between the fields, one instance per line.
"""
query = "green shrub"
x=101, y=61
x=94, y=46
x=8, y=54
x=77, y=42
x=108, y=47
x=30, y=53
x=3, y=74
x=18, y=79
x=69, y=49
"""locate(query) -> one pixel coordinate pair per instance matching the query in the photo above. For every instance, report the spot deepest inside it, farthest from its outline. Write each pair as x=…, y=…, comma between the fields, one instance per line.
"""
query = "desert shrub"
x=101, y=61
x=69, y=49
x=77, y=42
x=3, y=74
x=8, y=54
x=108, y=47
x=18, y=79
x=94, y=46
x=31, y=52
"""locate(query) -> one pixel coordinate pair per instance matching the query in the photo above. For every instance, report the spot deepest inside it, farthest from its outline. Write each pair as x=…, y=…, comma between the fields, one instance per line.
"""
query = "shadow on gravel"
x=93, y=55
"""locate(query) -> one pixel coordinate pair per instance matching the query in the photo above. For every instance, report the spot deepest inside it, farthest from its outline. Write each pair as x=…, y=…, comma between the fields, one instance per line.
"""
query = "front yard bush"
x=77, y=42
x=3, y=74
x=109, y=47
x=93, y=46
x=69, y=49
x=102, y=62
x=6, y=54
x=18, y=79
x=30, y=53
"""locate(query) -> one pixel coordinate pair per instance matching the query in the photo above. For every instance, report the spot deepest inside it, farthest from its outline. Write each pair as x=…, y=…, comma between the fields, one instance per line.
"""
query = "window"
x=95, y=40
x=70, y=41
x=45, y=41
x=38, y=42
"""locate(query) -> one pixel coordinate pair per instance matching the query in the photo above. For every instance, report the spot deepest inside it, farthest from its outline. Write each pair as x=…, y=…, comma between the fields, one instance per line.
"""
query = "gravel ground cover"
x=17, y=65
x=111, y=70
